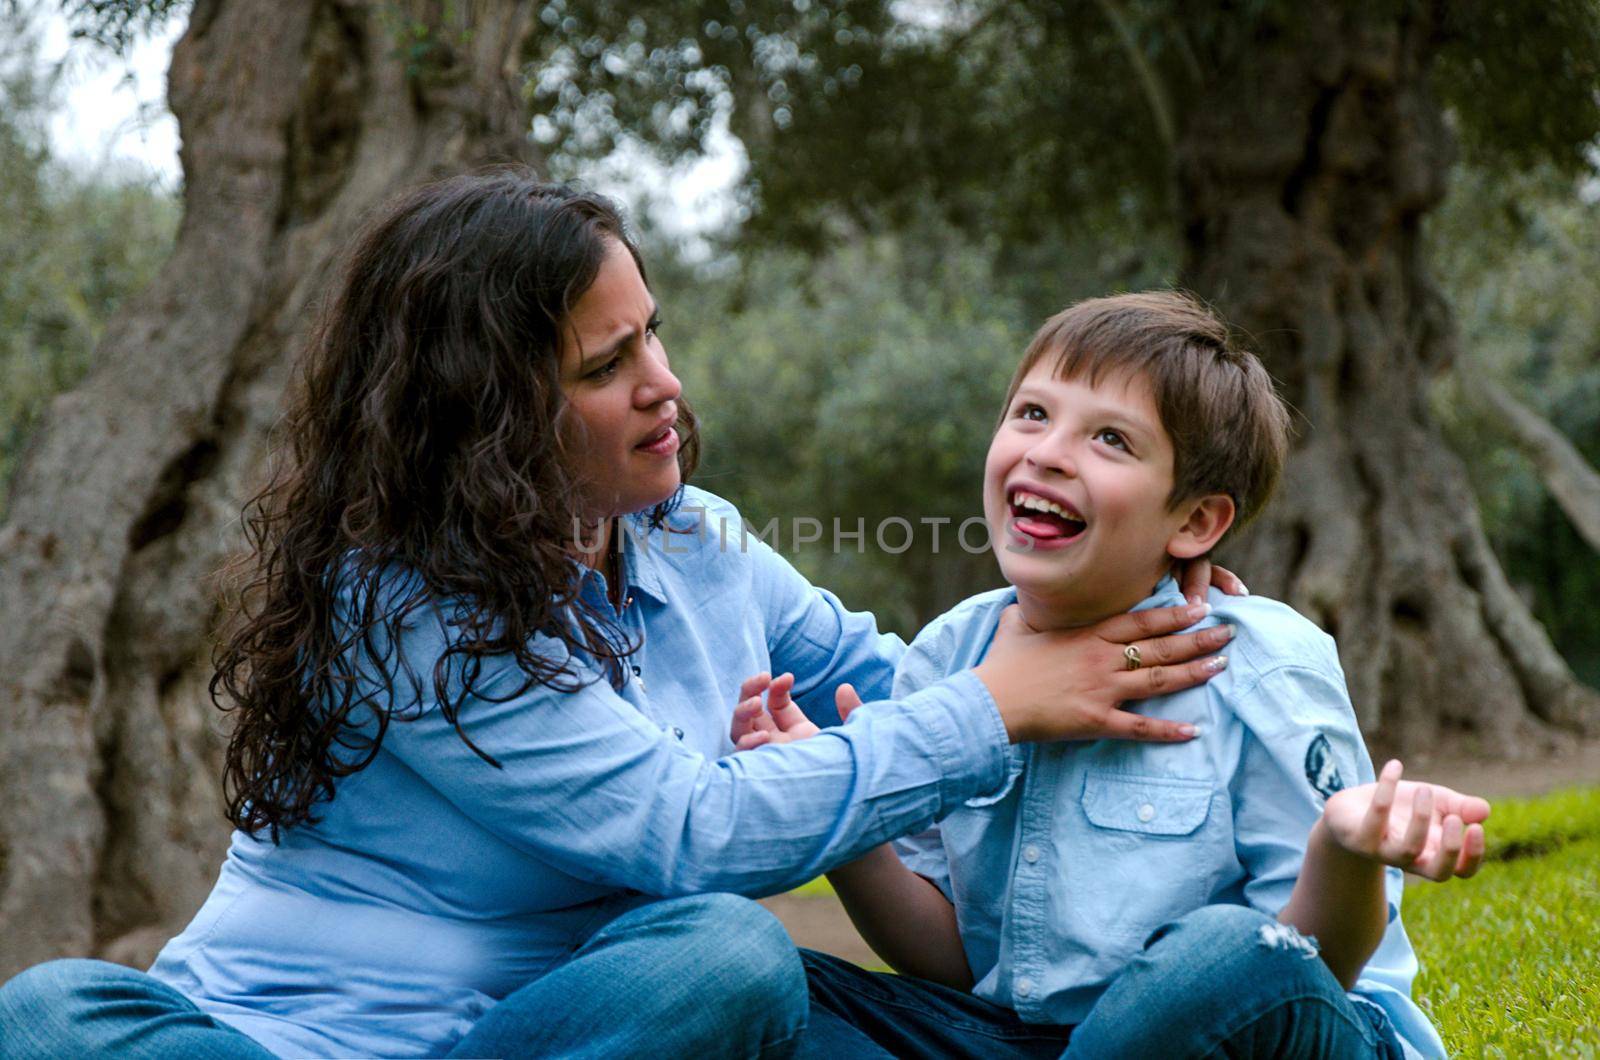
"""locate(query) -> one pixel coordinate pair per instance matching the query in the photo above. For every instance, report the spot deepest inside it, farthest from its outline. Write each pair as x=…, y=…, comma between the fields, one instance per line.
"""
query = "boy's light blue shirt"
x=1059, y=878
x=436, y=884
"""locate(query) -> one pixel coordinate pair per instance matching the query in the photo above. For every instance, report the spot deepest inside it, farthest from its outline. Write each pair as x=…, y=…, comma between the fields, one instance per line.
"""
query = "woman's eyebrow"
x=615, y=343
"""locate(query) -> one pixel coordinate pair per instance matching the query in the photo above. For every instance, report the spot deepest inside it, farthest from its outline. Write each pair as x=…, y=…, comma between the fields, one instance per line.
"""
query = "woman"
x=483, y=688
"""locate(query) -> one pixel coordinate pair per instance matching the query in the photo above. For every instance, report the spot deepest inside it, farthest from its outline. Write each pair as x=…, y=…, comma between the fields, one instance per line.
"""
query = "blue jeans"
x=1207, y=985
x=711, y=975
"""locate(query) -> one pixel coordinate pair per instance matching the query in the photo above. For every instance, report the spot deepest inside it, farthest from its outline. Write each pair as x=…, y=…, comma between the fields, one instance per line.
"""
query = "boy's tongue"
x=1046, y=525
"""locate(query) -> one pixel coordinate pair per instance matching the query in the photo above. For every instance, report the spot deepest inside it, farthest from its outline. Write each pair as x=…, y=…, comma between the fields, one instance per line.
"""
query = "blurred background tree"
x=925, y=181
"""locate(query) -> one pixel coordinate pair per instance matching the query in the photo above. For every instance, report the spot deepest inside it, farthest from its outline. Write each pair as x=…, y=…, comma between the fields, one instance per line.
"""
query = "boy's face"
x=1100, y=464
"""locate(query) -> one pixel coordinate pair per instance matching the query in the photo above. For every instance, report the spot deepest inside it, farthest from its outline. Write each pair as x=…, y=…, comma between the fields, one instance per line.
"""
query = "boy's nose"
x=1053, y=454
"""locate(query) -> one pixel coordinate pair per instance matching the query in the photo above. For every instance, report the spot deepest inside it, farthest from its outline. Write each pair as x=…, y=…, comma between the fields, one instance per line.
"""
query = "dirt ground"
x=1572, y=766
x=820, y=923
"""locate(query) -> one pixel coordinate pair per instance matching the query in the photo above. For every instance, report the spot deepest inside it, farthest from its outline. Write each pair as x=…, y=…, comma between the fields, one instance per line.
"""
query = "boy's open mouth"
x=1045, y=520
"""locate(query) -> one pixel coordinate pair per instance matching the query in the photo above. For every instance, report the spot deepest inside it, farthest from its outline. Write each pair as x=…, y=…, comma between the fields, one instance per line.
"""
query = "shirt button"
x=1030, y=853
x=1146, y=812
x=1024, y=987
x=677, y=732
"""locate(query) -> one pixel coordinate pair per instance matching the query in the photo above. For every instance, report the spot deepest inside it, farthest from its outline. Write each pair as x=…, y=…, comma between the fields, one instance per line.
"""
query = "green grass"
x=1509, y=965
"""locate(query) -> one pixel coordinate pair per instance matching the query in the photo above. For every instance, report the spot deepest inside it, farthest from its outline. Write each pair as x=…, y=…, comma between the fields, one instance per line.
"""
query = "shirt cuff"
x=969, y=736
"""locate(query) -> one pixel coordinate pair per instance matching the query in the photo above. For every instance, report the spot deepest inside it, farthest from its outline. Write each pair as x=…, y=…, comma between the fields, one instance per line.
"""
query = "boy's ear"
x=1209, y=518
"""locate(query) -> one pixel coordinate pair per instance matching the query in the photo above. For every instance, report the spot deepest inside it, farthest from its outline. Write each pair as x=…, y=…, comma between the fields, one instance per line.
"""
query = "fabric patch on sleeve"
x=1322, y=772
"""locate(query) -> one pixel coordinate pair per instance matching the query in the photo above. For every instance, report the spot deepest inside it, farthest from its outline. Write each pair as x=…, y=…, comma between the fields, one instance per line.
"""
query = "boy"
x=1130, y=899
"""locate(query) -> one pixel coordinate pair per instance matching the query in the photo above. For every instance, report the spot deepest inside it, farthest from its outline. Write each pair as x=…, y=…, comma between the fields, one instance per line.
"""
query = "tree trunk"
x=297, y=117
x=1306, y=164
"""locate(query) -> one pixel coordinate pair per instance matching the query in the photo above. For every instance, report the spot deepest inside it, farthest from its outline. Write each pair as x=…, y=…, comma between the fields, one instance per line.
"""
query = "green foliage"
x=1507, y=956
x=74, y=245
x=863, y=385
x=1024, y=119
x=427, y=39
x=117, y=24
x=1523, y=81
x=901, y=377
x=1519, y=256
x=1008, y=117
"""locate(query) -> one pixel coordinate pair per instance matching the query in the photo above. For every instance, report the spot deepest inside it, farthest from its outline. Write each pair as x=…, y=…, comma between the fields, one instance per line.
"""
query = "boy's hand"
x=778, y=720
x=1426, y=829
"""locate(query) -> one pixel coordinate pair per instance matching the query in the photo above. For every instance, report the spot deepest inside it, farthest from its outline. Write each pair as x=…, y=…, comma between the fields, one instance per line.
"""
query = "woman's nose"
x=659, y=383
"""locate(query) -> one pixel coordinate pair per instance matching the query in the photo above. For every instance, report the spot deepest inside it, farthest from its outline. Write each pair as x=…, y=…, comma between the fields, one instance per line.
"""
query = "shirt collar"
x=1165, y=594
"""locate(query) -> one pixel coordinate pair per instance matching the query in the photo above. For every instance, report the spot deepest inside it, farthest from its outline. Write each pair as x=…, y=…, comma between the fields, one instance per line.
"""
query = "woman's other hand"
x=1070, y=684
x=777, y=719
x=774, y=719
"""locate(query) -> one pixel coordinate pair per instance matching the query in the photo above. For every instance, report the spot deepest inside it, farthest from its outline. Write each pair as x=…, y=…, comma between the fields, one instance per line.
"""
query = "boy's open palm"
x=1427, y=829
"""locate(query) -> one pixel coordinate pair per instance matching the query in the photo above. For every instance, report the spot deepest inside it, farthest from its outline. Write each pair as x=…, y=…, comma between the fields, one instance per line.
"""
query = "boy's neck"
x=1047, y=612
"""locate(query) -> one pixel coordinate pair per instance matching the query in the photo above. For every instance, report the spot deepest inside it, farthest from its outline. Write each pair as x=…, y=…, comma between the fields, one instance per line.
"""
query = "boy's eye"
x=1112, y=438
x=1031, y=412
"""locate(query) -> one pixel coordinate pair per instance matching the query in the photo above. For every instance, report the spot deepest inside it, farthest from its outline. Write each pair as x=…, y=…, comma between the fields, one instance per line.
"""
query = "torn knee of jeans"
x=1276, y=936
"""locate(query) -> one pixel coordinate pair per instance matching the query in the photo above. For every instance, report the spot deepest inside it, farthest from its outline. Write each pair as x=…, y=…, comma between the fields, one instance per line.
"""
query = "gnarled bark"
x=297, y=117
x=1305, y=169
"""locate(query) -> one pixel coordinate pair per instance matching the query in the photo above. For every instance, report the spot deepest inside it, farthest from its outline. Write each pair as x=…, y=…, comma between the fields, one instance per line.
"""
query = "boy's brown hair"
x=1229, y=428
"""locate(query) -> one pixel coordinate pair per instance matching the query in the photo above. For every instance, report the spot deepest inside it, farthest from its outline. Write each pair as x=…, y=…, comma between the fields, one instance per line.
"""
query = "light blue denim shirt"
x=1059, y=878
x=435, y=884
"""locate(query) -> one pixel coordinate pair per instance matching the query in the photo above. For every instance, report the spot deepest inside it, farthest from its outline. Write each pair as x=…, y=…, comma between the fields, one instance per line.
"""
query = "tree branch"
x=1155, y=93
x=1565, y=473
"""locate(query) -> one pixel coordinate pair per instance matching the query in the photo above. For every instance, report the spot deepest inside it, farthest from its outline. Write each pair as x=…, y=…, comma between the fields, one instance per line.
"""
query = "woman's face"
x=621, y=396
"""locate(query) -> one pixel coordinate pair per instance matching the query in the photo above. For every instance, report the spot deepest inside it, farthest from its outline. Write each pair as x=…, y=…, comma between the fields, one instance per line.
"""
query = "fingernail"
x=1218, y=663
x=1229, y=631
x=1194, y=598
x=1199, y=611
x=1189, y=730
x=1244, y=589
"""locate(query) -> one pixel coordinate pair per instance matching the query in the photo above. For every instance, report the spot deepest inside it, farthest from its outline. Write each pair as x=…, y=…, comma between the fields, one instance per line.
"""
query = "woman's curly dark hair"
x=421, y=460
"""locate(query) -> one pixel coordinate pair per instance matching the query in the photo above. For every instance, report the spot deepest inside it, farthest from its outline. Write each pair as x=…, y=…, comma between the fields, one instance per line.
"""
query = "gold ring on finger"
x=1131, y=653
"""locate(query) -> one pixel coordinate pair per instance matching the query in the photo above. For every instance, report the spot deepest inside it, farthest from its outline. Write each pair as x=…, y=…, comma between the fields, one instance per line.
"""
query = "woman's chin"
x=648, y=499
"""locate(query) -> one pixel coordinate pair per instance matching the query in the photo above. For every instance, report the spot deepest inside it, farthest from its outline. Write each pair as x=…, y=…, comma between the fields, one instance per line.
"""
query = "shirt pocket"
x=1147, y=858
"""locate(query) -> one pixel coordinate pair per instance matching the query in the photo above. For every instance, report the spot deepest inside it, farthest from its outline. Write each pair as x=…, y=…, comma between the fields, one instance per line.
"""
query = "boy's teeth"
x=1039, y=504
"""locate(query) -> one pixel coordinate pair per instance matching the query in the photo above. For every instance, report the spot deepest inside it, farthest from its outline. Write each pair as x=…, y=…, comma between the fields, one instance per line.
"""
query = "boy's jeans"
x=711, y=975
x=1210, y=984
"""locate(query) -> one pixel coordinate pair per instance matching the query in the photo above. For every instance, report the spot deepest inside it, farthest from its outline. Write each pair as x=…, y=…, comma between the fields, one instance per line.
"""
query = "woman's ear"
x=1209, y=518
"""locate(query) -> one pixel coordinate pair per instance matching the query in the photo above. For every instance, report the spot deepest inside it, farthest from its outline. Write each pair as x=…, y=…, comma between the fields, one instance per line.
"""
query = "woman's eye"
x=653, y=328
x=1032, y=412
x=1111, y=438
x=607, y=370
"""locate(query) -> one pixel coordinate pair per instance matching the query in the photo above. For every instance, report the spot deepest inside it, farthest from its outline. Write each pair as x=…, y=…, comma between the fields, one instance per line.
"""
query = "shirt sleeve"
x=1301, y=744
x=823, y=643
x=587, y=784
x=923, y=852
